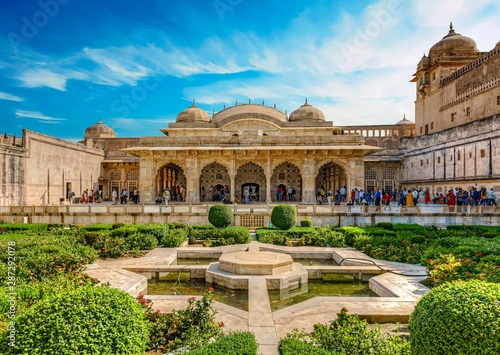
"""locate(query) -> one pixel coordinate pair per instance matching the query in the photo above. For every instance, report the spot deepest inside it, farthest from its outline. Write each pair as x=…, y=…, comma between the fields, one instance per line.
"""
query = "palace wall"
x=53, y=166
x=12, y=162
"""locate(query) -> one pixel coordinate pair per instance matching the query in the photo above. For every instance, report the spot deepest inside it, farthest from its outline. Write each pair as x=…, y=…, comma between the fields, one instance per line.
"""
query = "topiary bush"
x=240, y=343
x=220, y=215
x=457, y=318
x=87, y=320
x=284, y=216
x=306, y=223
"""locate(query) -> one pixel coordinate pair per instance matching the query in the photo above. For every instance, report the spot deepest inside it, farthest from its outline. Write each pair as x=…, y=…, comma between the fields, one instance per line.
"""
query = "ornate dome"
x=99, y=130
x=405, y=121
x=306, y=112
x=193, y=114
x=453, y=44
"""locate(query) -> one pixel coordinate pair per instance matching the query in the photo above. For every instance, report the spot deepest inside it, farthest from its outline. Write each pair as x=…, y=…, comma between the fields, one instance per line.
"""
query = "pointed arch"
x=169, y=175
x=251, y=176
x=213, y=175
x=331, y=176
x=286, y=176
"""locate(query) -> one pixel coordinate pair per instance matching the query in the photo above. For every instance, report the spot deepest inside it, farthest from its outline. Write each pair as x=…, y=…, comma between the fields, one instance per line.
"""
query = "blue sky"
x=66, y=63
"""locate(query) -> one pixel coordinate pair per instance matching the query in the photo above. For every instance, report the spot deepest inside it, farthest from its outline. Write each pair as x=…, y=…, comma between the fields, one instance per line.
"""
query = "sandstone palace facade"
x=455, y=141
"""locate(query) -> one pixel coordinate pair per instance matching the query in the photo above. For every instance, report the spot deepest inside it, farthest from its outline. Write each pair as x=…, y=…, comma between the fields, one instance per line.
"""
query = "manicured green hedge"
x=313, y=236
x=457, y=318
x=240, y=343
x=220, y=215
x=88, y=320
x=174, y=238
x=28, y=227
x=306, y=223
x=284, y=216
x=97, y=227
x=292, y=346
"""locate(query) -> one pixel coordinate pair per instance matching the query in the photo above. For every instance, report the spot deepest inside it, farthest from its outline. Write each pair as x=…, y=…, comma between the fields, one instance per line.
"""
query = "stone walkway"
x=399, y=294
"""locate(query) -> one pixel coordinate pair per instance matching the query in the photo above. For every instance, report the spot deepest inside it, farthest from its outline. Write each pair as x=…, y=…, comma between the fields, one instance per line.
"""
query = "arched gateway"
x=250, y=147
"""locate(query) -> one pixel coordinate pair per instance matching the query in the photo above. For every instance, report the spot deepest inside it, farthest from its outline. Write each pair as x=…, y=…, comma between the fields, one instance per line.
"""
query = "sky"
x=65, y=64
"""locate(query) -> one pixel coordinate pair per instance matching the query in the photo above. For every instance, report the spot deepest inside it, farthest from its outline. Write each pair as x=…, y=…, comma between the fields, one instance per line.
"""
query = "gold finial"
x=236, y=102
x=262, y=102
x=306, y=101
x=194, y=102
x=249, y=101
x=275, y=105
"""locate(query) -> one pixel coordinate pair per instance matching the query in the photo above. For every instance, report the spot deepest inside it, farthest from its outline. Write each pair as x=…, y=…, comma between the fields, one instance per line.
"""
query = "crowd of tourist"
x=406, y=197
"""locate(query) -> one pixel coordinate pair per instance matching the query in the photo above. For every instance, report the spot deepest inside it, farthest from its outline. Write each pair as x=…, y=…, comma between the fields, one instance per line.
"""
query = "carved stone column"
x=147, y=179
x=192, y=180
x=308, y=180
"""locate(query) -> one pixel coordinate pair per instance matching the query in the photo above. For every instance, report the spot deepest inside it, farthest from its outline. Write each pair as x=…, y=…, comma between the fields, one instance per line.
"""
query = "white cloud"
x=35, y=78
x=9, y=97
x=38, y=115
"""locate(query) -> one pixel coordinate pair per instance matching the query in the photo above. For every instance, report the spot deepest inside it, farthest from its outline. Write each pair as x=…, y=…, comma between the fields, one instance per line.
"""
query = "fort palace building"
x=455, y=141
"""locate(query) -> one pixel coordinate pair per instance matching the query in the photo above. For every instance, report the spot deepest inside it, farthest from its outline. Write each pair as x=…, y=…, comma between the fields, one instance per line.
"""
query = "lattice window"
x=115, y=175
x=133, y=175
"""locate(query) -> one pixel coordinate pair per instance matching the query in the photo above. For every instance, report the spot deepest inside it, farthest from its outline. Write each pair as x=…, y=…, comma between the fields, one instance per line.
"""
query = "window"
x=421, y=130
x=432, y=125
x=421, y=162
x=498, y=100
x=467, y=111
x=434, y=76
x=470, y=155
x=483, y=153
x=458, y=155
x=427, y=161
x=439, y=160
x=451, y=157
x=453, y=116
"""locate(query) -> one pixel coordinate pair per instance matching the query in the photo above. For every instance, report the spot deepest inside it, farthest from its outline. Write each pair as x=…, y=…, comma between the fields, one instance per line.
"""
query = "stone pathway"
x=400, y=293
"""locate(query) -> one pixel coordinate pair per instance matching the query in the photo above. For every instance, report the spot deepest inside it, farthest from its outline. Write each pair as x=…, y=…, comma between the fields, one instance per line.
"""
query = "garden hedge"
x=87, y=320
x=284, y=216
x=240, y=343
x=220, y=215
x=457, y=318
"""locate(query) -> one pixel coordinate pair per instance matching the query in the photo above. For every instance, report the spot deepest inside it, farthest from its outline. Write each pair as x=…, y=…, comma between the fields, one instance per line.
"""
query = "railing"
x=262, y=209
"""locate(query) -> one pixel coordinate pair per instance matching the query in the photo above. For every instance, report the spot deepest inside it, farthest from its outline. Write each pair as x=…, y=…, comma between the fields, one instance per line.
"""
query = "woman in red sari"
x=452, y=201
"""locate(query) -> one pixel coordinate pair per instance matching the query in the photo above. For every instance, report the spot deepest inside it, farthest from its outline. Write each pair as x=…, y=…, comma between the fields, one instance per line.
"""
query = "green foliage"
x=284, y=216
x=34, y=228
x=457, y=318
x=97, y=227
x=39, y=257
x=87, y=320
x=385, y=225
x=348, y=335
x=313, y=236
x=123, y=232
x=157, y=230
x=306, y=223
x=350, y=233
x=240, y=343
x=294, y=346
x=241, y=235
x=141, y=241
x=191, y=327
x=220, y=215
x=174, y=238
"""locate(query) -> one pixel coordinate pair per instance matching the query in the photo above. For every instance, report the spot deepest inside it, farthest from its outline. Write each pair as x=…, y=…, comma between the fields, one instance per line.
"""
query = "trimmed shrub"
x=123, y=232
x=284, y=216
x=220, y=215
x=351, y=233
x=293, y=346
x=139, y=241
x=88, y=320
x=174, y=238
x=97, y=227
x=31, y=227
x=457, y=318
x=158, y=230
x=241, y=235
x=385, y=225
x=240, y=343
x=306, y=223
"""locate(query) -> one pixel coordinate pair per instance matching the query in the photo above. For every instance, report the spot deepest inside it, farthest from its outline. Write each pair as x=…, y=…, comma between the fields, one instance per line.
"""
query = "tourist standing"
x=114, y=196
x=329, y=195
x=166, y=196
x=343, y=193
